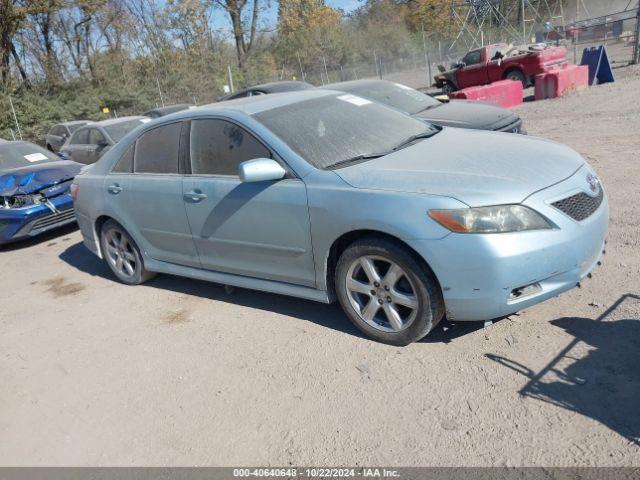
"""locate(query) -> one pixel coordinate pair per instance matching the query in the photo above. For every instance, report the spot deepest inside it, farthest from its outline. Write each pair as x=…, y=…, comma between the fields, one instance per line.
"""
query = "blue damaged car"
x=34, y=191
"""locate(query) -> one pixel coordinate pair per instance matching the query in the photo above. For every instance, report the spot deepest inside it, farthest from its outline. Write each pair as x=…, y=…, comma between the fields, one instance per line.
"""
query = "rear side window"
x=125, y=164
x=157, y=150
x=81, y=137
x=218, y=147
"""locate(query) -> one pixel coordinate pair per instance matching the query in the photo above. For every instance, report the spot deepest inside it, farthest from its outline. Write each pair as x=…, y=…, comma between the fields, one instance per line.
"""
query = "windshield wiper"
x=428, y=107
x=357, y=158
x=413, y=138
x=368, y=156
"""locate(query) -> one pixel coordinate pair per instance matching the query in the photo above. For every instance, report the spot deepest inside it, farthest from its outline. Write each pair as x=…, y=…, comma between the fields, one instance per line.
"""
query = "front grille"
x=52, y=219
x=580, y=206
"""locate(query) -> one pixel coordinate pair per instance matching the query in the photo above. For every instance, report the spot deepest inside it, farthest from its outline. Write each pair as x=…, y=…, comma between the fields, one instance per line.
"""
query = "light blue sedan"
x=324, y=195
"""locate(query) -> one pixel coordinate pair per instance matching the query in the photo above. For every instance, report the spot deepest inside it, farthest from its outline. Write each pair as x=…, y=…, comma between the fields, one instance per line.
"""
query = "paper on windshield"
x=359, y=101
x=35, y=157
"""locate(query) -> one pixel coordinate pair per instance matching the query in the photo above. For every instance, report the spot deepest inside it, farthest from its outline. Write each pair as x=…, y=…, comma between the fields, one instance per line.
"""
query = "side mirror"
x=261, y=170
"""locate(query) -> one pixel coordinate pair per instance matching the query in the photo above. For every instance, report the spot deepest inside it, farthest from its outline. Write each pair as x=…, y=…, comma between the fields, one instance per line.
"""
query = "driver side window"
x=472, y=58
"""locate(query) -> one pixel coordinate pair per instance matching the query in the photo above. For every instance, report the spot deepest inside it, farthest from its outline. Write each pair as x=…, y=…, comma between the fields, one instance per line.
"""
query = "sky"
x=270, y=16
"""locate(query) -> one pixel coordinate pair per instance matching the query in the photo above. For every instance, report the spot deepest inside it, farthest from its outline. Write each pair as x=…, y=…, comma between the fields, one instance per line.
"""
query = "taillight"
x=74, y=189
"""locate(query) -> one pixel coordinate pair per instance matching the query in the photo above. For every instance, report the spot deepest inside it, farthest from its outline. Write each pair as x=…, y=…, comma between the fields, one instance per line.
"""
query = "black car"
x=454, y=113
x=266, y=88
x=162, y=111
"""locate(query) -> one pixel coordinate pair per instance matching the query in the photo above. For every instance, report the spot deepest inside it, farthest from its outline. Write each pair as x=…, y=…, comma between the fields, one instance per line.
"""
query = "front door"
x=153, y=196
x=256, y=229
x=474, y=72
x=78, y=145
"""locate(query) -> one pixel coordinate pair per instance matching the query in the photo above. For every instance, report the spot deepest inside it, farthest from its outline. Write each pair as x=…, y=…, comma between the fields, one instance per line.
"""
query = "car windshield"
x=334, y=129
x=23, y=155
x=395, y=95
x=118, y=131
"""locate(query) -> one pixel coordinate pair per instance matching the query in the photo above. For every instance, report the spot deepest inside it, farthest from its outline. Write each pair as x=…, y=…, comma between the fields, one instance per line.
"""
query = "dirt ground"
x=177, y=372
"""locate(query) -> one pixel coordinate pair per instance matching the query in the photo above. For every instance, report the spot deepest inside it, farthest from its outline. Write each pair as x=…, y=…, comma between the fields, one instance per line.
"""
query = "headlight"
x=496, y=219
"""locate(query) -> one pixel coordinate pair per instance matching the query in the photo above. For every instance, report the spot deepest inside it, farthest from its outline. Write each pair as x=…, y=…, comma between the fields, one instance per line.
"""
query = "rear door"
x=56, y=138
x=98, y=144
x=151, y=197
x=258, y=229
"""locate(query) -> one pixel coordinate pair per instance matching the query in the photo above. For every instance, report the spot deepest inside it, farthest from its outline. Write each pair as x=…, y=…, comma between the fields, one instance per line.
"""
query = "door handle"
x=114, y=189
x=194, y=196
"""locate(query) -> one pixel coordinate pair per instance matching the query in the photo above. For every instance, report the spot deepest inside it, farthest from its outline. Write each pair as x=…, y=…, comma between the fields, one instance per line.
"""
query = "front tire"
x=122, y=254
x=387, y=293
x=448, y=88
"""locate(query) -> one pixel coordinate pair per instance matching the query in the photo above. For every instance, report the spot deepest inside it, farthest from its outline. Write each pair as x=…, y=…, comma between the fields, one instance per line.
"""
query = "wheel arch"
x=341, y=243
x=514, y=68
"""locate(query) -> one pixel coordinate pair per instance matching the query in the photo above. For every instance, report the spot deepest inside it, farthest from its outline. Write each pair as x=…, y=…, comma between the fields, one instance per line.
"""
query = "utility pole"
x=524, y=25
x=160, y=92
x=427, y=60
x=636, y=49
x=326, y=72
x=230, y=79
x=15, y=118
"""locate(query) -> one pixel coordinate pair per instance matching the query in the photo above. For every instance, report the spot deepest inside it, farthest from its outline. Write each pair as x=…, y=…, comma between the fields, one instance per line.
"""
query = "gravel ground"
x=177, y=372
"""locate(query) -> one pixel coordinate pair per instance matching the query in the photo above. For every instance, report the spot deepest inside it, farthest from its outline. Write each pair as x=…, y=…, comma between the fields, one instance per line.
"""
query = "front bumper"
x=20, y=223
x=479, y=273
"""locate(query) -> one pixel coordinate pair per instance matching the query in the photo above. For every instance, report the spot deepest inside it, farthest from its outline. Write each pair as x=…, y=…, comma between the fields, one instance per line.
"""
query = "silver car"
x=58, y=134
x=89, y=143
x=325, y=195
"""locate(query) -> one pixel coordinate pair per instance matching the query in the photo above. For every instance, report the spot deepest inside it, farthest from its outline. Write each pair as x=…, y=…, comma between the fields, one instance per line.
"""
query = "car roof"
x=273, y=87
x=74, y=122
x=253, y=105
x=168, y=109
x=354, y=84
x=282, y=86
x=115, y=121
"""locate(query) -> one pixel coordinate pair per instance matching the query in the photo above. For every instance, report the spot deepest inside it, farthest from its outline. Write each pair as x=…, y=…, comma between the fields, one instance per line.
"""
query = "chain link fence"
x=617, y=31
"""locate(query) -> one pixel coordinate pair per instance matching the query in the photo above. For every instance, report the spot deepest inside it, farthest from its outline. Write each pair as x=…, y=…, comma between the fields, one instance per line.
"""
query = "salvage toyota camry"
x=34, y=191
x=325, y=195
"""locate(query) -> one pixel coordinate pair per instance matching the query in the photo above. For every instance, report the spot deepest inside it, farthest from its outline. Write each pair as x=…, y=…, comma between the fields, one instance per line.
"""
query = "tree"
x=235, y=10
x=12, y=16
x=309, y=30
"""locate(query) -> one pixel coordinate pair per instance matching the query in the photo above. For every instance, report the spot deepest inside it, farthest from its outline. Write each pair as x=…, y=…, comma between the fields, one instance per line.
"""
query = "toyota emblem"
x=594, y=183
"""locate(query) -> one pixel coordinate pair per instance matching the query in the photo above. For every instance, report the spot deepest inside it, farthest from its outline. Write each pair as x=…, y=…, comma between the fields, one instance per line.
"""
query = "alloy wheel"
x=381, y=293
x=120, y=253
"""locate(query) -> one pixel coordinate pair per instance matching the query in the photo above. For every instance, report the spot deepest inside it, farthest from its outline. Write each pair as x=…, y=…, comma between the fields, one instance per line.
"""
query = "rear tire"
x=386, y=292
x=516, y=76
x=122, y=255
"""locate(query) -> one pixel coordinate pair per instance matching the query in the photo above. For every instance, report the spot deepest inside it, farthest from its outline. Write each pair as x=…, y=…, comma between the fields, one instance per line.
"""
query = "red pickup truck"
x=499, y=61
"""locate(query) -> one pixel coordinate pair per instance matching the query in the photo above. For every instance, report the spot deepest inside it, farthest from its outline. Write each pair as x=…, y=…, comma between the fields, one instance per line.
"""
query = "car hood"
x=36, y=178
x=475, y=167
x=469, y=114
